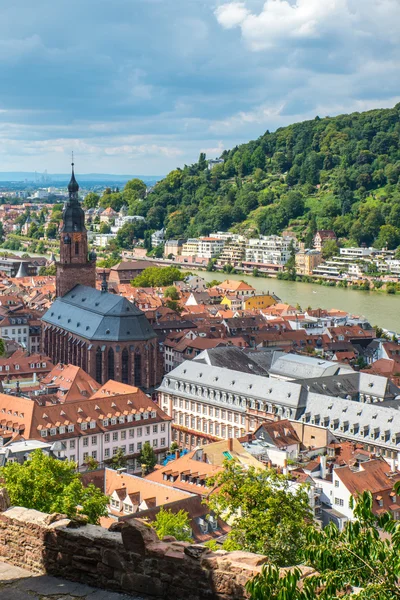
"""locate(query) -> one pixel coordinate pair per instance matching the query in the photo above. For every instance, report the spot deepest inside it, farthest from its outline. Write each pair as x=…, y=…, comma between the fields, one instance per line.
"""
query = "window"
x=155, y=443
x=148, y=430
x=162, y=427
x=153, y=414
x=137, y=370
x=76, y=247
x=110, y=356
x=86, y=441
x=115, y=450
x=115, y=436
x=139, y=432
x=145, y=415
x=72, y=458
x=94, y=440
x=336, y=483
x=123, y=435
x=105, y=422
x=72, y=444
x=43, y=433
x=53, y=431
x=83, y=426
x=85, y=455
x=70, y=428
x=94, y=454
x=114, y=421
x=125, y=366
x=162, y=442
x=123, y=449
x=92, y=424
x=107, y=438
x=99, y=365
x=155, y=428
x=131, y=433
x=121, y=419
x=339, y=501
x=106, y=452
x=139, y=447
x=131, y=448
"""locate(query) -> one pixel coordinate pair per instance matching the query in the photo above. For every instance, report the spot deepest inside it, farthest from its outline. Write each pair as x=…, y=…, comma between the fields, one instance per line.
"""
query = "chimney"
x=285, y=469
x=230, y=444
x=204, y=457
x=249, y=438
x=322, y=461
x=177, y=454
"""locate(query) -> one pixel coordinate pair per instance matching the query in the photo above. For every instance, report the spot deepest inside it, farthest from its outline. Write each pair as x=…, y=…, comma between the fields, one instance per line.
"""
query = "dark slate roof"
x=231, y=357
x=96, y=315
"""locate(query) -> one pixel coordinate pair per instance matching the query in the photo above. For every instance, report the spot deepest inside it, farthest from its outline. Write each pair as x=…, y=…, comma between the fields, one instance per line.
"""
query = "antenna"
x=72, y=163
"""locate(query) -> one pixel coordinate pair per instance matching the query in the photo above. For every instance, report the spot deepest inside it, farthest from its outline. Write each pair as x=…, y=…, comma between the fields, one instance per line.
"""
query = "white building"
x=158, y=238
x=271, y=249
x=209, y=247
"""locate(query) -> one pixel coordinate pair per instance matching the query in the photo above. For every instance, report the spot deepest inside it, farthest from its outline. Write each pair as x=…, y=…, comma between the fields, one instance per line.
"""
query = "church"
x=104, y=334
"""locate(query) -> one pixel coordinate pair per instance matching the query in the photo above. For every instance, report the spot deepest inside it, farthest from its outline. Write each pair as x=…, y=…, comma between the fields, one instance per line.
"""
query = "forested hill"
x=340, y=173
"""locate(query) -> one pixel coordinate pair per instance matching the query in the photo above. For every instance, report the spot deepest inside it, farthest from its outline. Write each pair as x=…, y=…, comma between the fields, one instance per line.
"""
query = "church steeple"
x=73, y=215
x=75, y=266
x=73, y=186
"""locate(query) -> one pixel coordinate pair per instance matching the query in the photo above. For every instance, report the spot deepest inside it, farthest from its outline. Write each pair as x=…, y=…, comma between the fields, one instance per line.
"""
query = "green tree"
x=51, y=270
x=159, y=277
x=171, y=292
x=329, y=249
x=137, y=187
x=91, y=200
x=148, y=457
x=290, y=265
x=91, y=463
x=118, y=461
x=389, y=237
x=51, y=485
x=269, y=515
x=52, y=231
x=2, y=347
x=175, y=524
x=357, y=563
x=104, y=228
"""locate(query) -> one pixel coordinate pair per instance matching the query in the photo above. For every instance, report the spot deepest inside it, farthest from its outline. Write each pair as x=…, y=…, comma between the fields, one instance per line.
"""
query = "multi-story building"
x=158, y=238
x=95, y=427
x=322, y=236
x=270, y=249
x=233, y=252
x=190, y=248
x=174, y=247
x=209, y=247
x=307, y=261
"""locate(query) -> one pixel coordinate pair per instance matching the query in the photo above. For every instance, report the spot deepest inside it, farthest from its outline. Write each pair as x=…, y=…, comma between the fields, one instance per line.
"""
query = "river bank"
x=380, y=309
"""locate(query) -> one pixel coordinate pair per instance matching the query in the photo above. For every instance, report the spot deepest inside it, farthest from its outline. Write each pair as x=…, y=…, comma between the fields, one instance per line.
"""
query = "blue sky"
x=142, y=86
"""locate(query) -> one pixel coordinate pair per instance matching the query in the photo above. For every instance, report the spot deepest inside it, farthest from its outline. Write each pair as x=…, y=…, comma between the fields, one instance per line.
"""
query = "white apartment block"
x=271, y=249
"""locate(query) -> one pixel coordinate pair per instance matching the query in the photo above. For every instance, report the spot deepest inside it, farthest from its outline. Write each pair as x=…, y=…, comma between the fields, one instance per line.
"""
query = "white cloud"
x=232, y=14
x=305, y=20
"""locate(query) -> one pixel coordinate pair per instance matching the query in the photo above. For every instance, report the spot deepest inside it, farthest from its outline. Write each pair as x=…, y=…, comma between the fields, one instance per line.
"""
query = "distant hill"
x=62, y=179
x=338, y=173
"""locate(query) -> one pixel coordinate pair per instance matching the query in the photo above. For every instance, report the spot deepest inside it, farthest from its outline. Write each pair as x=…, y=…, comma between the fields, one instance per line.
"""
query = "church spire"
x=73, y=186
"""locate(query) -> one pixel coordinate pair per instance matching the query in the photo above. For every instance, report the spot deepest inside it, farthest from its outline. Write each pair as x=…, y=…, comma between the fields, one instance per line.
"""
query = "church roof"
x=99, y=316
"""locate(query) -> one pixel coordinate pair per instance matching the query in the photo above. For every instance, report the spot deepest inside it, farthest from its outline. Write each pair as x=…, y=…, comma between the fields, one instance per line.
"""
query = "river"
x=379, y=308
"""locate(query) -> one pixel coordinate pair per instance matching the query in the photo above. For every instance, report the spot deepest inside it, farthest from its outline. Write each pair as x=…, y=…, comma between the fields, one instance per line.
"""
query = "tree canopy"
x=339, y=173
x=176, y=524
x=359, y=563
x=158, y=277
x=51, y=485
x=269, y=514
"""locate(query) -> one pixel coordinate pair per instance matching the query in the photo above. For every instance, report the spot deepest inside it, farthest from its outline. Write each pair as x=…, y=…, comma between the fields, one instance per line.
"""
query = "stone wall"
x=127, y=558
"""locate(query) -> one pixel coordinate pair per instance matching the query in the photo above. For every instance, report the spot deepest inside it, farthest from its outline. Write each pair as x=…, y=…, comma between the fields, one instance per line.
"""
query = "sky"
x=144, y=86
